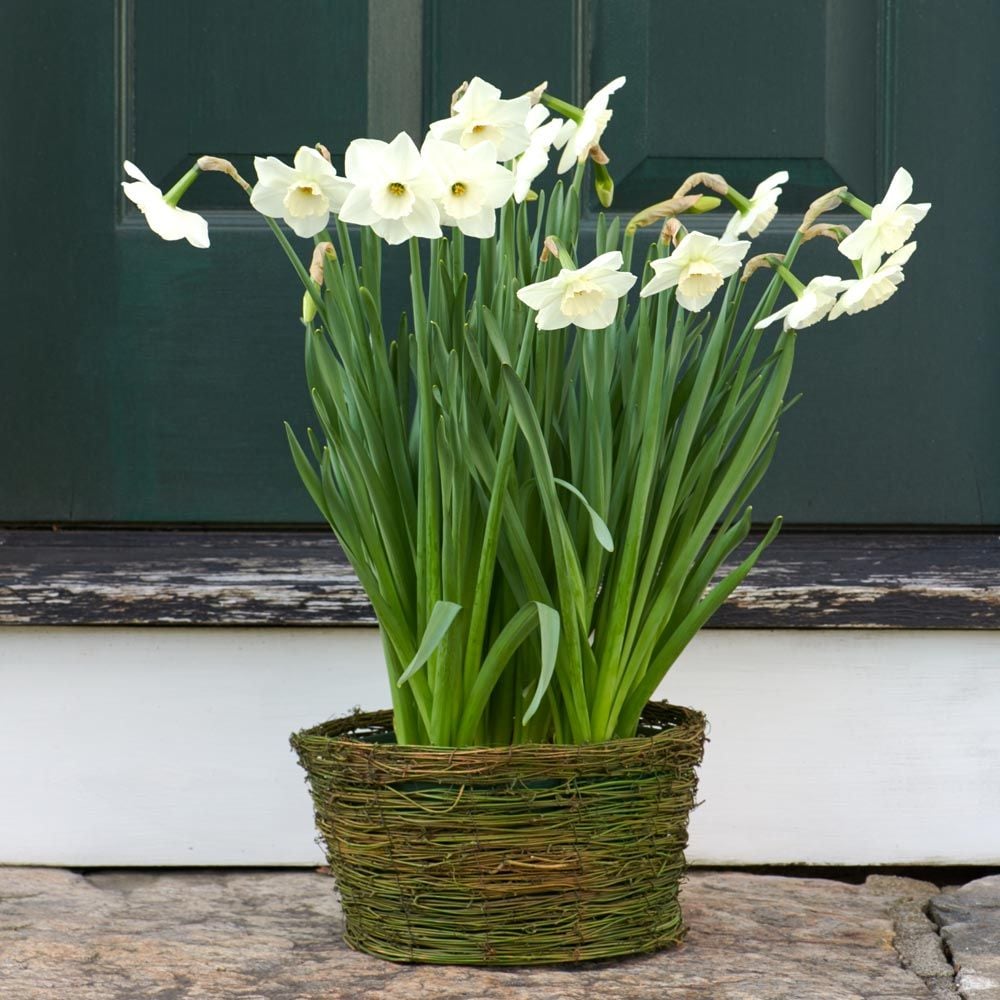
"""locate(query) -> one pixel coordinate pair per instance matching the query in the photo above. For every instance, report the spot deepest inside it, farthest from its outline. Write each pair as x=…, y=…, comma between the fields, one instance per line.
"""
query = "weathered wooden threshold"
x=187, y=577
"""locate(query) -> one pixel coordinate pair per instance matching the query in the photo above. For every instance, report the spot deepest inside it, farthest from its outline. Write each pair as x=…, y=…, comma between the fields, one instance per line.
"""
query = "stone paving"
x=275, y=935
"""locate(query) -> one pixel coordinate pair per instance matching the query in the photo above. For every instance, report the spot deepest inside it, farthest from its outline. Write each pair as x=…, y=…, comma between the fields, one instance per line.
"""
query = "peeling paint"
x=805, y=580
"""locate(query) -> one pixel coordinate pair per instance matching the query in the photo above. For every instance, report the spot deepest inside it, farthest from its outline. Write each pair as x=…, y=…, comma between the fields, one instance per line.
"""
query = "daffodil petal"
x=900, y=188
x=363, y=158
x=424, y=219
x=133, y=171
x=358, y=208
x=268, y=198
x=774, y=317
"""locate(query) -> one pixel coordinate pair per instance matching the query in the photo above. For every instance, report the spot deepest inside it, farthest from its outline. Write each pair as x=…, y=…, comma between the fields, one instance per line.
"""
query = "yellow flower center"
x=478, y=129
x=581, y=298
x=305, y=199
x=396, y=189
x=458, y=189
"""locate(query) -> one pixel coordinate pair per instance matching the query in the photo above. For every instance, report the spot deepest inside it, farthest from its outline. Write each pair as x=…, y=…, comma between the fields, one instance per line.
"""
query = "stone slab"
x=969, y=918
x=275, y=935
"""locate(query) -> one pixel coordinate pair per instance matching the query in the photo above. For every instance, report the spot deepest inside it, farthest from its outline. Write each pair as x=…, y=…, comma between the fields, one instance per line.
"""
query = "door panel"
x=707, y=93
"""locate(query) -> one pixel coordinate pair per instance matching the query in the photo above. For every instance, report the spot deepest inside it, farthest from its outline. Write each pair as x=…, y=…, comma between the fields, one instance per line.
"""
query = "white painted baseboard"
x=158, y=746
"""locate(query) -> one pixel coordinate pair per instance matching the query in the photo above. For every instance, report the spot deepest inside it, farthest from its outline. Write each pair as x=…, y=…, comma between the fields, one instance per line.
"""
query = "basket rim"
x=670, y=723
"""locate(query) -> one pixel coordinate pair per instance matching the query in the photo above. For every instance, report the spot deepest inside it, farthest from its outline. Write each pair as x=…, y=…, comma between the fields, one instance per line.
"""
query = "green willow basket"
x=506, y=856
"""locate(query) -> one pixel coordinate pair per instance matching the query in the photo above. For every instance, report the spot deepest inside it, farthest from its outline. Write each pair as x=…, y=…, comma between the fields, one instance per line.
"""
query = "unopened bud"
x=824, y=203
x=550, y=248
x=714, y=182
x=672, y=231
x=705, y=203
x=604, y=184
x=217, y=163
x=316, y=266
x=769, y=260
x=308, y=307
x=831, y=232
x=323, y=151
x=663, y=210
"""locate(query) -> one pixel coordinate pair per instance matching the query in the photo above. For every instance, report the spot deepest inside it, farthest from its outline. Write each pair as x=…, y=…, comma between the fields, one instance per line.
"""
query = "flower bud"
x=669, y=208
x=308, y=308
x=316, y=265
x=550, y=248
x=672, y=231
x=714, y=182
x=321, y=252
x=217, y=163
x=769, y=260
x=604, y=185
x=705, y=203
x=824, y=203
x=831, y=232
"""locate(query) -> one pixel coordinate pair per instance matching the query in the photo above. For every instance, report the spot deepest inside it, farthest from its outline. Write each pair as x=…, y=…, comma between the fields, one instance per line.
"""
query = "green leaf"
x=442, y=615
x=308, y=475
x=685, y=632
x=504, y=646
x=548, y=631
x=496, y=336
x=601, y=532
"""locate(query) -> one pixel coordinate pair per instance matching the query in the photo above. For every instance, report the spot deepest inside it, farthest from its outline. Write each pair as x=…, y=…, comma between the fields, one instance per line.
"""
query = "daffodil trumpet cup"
x=541, y=475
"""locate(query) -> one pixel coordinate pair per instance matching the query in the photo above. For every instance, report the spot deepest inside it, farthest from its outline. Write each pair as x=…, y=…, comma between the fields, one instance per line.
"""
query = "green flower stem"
x=307, y=282
x=859, y=206
x=428, y=565
x=173, y=196
x=789, y=279
x=577, y=185
x=738, y=201
x=563, y=108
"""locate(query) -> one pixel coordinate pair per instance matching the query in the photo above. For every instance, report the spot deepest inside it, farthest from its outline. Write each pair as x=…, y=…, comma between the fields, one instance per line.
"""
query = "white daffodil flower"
x=535, y=158
x=586, y=296
x=168, y=221
x=697, y=268
x=813, y=303
x=871, y=290
x=480, y=115
x=303, y=195
x=473, y=185
x=395, y=191
x=891, y=225
x=763, y=208
x=580, y=137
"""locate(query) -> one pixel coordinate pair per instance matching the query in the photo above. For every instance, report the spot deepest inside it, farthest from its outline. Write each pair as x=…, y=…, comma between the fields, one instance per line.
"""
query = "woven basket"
x=506, y=856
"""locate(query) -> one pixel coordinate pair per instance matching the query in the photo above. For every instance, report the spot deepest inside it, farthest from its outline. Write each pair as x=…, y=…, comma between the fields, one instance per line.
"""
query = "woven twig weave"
x=505, y=856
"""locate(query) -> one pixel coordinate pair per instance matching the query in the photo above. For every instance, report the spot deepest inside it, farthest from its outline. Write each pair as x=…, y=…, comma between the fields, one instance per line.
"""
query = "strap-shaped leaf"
x=686, y=630
x=495, y=334
x=504, y=646
x=442, y=615
x=308, y=475
x=601, y=532
x=548, y=632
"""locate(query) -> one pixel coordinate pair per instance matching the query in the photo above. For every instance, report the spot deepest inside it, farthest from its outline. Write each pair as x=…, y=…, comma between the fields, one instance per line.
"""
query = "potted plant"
x=538, y=478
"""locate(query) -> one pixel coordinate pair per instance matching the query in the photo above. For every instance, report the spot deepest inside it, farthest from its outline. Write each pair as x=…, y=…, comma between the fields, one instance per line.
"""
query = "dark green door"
x=146, y=382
